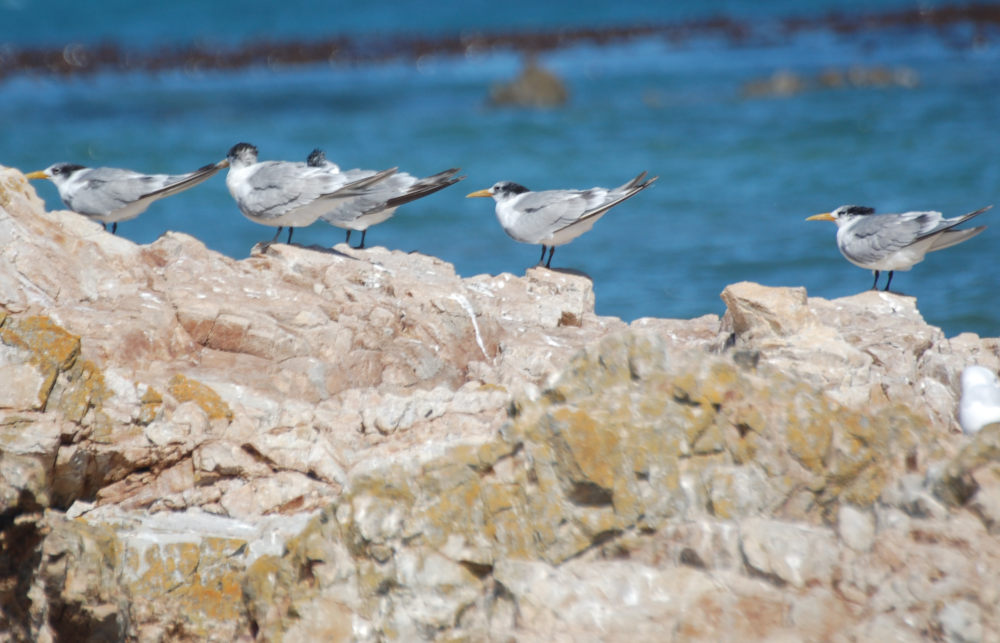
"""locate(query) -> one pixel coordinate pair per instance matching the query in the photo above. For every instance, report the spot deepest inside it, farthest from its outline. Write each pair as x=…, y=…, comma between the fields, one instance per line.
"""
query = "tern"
x=980, y=401
x=555, y=217
x=378, y=202
x=894, y=241
x=111, y=195
x=286, y=193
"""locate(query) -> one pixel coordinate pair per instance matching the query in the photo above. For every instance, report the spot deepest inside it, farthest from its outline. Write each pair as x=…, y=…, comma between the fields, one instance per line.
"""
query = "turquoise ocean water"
x=738, y=173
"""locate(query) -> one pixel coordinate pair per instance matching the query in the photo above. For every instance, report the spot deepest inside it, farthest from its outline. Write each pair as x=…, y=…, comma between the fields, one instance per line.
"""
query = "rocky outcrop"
x=332, y=444
x=784, y=83
x=535, y=86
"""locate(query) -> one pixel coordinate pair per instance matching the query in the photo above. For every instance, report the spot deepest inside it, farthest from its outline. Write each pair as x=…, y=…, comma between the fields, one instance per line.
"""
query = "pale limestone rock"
x=961, y=621
x=798, y=555
x=636, y=602
x=986, y=501
x=300, y=448
x=856, y=527
x=319, y=443
x=22, y=387
x=28, y=448
x=227, y=459
x=757, y=311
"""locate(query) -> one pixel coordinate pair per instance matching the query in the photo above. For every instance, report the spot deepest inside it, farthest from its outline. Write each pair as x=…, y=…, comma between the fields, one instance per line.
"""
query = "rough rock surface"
x=317, y=444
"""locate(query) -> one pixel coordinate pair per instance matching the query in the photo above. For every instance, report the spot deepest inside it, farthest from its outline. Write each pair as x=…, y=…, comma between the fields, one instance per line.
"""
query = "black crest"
x=509, y=187
x=65, y=169
x=855, y=210
x=242, y=149
x=317, y=158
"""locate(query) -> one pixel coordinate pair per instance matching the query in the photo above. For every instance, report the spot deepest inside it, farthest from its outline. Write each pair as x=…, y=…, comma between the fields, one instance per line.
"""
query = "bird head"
x=242, y=154
x=843, y=213
x=500, y=190
x=317, y=158
x=58, y=173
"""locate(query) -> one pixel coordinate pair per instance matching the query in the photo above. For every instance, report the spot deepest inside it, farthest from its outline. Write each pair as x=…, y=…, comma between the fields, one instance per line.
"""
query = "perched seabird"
x=378, y=202
x=110, y=194
x=555, y=217
x=894, y=241
x=286, y=193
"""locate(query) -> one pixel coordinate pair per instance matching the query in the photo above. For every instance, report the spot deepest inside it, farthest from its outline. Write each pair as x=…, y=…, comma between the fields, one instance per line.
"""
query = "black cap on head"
x=508, y=187
x=855, y=210
x=242, y=150
x=317, y=158
x=65, y=169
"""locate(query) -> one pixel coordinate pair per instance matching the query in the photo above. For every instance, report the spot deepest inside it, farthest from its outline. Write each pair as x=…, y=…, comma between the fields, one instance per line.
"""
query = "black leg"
x=542, y=258
x=277, y=234
x=114, y=228
x=363, y=233
x=875, y=285
x=348, y=240
x=290, y=228
x=552, y=250
x=888, y=282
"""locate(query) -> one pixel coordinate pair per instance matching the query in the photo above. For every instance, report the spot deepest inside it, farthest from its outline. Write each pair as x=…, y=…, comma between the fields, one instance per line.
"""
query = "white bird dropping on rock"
x=980, y=403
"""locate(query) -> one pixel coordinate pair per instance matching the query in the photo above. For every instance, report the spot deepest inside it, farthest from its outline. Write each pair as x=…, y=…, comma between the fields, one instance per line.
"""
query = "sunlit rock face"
x=334, y=444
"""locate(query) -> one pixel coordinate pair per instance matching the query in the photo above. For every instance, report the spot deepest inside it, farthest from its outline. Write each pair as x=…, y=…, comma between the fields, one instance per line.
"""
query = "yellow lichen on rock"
x=185, y=389
x=52, y=348
x=151, y=402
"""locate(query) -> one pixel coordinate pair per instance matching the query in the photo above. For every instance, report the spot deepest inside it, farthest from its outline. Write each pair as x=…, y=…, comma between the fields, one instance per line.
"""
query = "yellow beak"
x=40, y=174
x=223, y=164
x=485, y=192
x=826, y=216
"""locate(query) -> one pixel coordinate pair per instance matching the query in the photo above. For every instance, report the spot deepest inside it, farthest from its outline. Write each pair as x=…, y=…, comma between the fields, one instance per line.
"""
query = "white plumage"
x=285, y=193
x=555, y=217
x=111, y=195
x=379, y=201
x=894, y=241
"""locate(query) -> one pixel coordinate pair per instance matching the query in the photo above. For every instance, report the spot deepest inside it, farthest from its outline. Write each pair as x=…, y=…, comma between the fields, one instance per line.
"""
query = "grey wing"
x=946, y=236
x=371, y=199
x=104, y=191
x=169, y=185
x=426, y=186
x=179, y=182
x=358, y=184
x=543, y=213
x=600, y=200
x=278, y=187
x=399, y=189
x=873, y=238
x=112, y=194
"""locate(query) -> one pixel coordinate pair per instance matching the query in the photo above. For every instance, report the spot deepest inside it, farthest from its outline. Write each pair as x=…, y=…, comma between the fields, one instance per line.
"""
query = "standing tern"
x=555, y=217
x=110, y=195
x=285, y=193
x=379, y=202
x=894, y=241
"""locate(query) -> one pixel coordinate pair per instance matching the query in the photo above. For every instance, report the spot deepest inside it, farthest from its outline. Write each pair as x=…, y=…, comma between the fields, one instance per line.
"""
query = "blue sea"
x=739, y=171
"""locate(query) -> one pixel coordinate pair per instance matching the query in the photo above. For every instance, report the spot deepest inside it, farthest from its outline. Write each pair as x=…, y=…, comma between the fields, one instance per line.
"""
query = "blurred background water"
x=743, y=155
